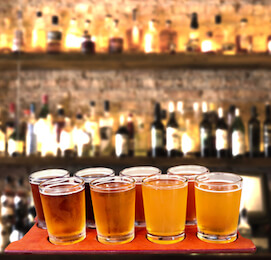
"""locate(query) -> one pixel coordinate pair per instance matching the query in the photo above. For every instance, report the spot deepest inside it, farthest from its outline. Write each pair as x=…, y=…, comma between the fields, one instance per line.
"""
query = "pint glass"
x=35, y=179
x=190, y=172
x=63, y=202
x=217, y=206
x=165, y=198
x=89, y=175
x=138, y=173
x=113, y=200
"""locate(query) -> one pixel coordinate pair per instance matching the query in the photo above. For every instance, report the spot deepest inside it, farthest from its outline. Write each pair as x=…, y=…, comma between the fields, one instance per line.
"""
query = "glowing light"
x=180, y=106
x=187, y=143
x=149, y=38
x=171, y=107
x=220, y=112
x=204, y=107
x=72, y=41
x=135, y=35
x=269, y=46
x=207, y=46
x=196, y=107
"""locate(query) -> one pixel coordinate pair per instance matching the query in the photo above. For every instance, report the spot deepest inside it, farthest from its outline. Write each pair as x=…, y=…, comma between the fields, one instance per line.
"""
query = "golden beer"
x=139, y=173
x=113, y=200
x=217, y=206
x=190, y=172
x=165, y=198
x=63, y=202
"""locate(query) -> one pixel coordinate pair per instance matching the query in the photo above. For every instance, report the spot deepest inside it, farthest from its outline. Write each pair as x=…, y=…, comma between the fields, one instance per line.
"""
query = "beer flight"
x=138, y=197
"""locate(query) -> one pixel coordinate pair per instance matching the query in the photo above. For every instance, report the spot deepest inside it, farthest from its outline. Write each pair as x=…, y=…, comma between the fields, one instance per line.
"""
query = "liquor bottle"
x=131, y=131
x=16, y=141
x=244, y=39
x=54, y=37
x=151, y=38
x=267, y=131
x=72, y=38
x=157, y=134
x=7, y=202
x=66, y=140
x=87, y=41
x=81, y=138
x=44, y=112
x=172, y=134
x=141, y=138
x=193, y=44
x=2, y=138
x=134, y=35
x=103, y=36
x=218, y=34
x=115, y=44
x=122, y=139
x=39, y=34
x=254, y=133
x=168, y=39
x=10, y=124
x=221, y=136
x=5, y=36
x=18, y=38
x=31, y=136
x=59, y=124
x=205, y=134
x=238, y=136
x=207, y=45
x=106, y=123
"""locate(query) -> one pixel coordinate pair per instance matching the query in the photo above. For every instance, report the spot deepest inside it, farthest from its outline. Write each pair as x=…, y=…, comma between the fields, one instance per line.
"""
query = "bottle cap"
x=168, y=22
x=45, y=99
x=39, y=14
x=79, y=116
x=134, y=14
x=32, y=107
x=92, y=103
x=55, y=19
x=254, y=111
x=218, y=19
x=157, y=109
x=12, y=107
x=243, y=20
x=194, y=21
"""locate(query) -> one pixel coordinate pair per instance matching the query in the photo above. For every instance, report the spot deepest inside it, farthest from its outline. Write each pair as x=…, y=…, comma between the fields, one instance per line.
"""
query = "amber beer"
x=90, y=174
x=113, y=200
x=165, y=198
x=139, y=173
x=63, y=202
x=35, y=179
x=217, y=205
x=190, y=172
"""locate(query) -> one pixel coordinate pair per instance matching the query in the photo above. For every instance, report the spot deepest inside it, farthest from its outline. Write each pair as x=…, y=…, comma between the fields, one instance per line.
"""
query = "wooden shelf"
x=79, y=61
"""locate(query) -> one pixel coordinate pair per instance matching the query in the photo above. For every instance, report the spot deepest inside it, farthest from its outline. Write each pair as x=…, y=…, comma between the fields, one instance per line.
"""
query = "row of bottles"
x=17, y=210
x=205, y=133
x=113, y=38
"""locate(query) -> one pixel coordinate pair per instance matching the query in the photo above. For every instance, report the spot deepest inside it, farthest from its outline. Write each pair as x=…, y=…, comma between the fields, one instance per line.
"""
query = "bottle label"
x=221, y=137
x=172, y=139
x=238, y=143
x=106, y=140
x=157, y=138
x=54, y=36
x=267, y=136
x=18, y=41
x=115, y=45
x=121, y=145
x=205, y=138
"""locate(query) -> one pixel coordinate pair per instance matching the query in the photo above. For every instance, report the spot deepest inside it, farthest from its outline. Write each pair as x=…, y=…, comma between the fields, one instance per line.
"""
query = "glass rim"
x=187, y=170
x=39, y=176
x=139, y=176
x=55, y=189
x=102, y=171
x=95, y=184
x=205, y=176
x=183, y=179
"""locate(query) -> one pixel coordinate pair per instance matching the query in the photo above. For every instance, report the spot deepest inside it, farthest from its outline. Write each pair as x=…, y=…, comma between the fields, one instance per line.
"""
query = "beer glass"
x=35, y=179
x=63, y=202
x=138, y=173
x=89, y=175
x=218, y=197
x=165, y=198
x=113, y=200
x=190, y=172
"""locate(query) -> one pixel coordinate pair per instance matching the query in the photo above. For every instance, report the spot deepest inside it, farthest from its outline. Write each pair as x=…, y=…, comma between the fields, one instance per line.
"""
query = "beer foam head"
x=40, y=176
x=90, y=174
x=140, y=172
x=189, y=171
x=62, y=186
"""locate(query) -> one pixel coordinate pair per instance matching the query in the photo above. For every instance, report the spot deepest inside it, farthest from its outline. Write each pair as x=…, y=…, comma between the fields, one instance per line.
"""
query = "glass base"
x=166, y=239
x=41, y=224
x=216, y=239
x=67, y=240
x=191, y=222
x=116, y=239
x=90, y=224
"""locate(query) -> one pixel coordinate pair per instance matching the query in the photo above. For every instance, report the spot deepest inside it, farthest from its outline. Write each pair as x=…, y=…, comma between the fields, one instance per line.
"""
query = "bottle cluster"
x=205, y=133
x=50, y=34
x=17, y=210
